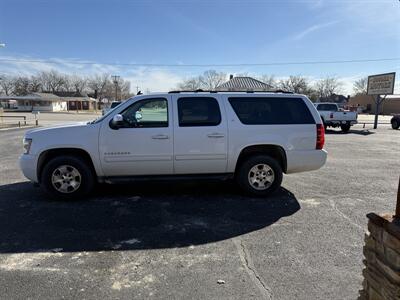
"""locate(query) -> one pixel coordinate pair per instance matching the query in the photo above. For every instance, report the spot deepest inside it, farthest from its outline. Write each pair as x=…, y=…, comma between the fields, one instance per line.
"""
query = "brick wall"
x=382, y=259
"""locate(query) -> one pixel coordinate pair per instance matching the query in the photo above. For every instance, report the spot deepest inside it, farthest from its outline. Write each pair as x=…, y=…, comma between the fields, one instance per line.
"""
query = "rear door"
x=200, y=134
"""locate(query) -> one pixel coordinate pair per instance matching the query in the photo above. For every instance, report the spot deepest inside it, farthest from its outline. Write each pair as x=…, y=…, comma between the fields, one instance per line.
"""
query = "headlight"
x=27, y=145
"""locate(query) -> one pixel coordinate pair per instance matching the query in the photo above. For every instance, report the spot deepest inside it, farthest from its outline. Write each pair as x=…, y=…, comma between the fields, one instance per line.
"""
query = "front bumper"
x=28, y=164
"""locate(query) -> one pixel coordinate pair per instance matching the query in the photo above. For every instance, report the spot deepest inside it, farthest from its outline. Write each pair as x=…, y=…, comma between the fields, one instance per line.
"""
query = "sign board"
x=381, y=84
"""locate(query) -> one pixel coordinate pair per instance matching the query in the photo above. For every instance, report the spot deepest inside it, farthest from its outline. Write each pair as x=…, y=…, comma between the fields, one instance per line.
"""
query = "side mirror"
x=116, y=121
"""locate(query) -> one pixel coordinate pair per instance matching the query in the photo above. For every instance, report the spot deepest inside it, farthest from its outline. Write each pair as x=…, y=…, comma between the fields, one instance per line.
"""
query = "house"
x=391, y=105
x=51, y=102
x=242, y=83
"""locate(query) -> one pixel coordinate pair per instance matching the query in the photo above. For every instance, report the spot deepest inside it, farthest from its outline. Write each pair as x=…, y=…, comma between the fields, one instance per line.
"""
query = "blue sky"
x=200, y=32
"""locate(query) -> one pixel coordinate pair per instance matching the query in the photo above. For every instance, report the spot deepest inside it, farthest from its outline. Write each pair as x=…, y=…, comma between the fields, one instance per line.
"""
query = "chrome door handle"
x=215, y=135
x=160, y=137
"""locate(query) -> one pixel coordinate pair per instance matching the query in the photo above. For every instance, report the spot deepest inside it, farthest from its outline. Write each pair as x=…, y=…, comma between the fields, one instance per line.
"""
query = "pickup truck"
x=332, y=116
x=251, y=137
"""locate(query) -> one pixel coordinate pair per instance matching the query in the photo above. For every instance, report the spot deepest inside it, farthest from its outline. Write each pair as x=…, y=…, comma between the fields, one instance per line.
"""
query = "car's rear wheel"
x=345, y=127
x=67, y=177
x=395, y=124
x=259, y=175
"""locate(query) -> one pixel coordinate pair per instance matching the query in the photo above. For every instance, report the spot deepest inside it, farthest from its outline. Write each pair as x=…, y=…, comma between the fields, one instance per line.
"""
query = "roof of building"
x=47, y=97
x=244, y=83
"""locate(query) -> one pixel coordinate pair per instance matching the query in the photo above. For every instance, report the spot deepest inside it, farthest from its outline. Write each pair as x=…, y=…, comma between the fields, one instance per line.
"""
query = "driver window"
x=147, y=113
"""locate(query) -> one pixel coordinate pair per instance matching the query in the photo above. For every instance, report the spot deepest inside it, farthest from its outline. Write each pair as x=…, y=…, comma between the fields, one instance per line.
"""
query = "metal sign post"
x=381, y=84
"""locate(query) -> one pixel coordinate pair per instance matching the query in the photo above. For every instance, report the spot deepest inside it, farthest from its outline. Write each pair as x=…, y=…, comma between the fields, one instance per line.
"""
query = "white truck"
x=249, y=136
x=332, y=116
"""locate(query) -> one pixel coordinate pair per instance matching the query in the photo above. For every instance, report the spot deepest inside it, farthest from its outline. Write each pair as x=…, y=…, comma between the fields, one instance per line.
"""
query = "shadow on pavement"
x=351, y=131
x=138, y=216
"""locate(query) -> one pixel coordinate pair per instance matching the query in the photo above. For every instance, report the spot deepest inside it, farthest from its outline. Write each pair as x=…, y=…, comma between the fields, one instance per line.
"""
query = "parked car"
x=332, y=116
x=395, y=121
x=251, y=137
x=113, y=105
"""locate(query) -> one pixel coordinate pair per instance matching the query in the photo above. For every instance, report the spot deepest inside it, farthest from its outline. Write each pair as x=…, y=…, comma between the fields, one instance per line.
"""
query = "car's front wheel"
x=67, y=177
x=259, y=175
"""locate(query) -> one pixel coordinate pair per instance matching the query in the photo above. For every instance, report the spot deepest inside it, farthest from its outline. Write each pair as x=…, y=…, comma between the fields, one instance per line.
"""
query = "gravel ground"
x=199, y=240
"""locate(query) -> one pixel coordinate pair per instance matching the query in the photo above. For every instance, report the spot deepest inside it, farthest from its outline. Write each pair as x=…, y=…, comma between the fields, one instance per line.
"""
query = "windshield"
x=327, y=107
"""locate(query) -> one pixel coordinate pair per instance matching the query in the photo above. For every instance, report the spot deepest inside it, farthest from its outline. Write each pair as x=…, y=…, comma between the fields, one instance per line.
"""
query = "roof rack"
x=227, y=91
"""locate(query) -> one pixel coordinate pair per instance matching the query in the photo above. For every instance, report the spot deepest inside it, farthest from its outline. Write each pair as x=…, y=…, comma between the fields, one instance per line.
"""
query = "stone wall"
x=382, y=259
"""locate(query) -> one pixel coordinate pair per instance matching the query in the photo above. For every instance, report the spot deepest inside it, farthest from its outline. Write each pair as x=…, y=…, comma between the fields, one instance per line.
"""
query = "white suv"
x=250, y=136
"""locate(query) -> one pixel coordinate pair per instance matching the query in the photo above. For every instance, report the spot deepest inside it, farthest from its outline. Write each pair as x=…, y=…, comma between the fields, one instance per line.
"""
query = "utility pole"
x=115, y=80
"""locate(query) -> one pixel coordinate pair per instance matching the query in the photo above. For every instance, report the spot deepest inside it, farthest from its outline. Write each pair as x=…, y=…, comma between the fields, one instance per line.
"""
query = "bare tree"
x=52, y=81
x=7, y=85
x=21, y=86
x=360, y=86
x=190, y=84
x=34, y=84
x=327, y=87
x=296, y=84
x=99, y=83
x=269, y=80
x=77, y=84
x=211, y=79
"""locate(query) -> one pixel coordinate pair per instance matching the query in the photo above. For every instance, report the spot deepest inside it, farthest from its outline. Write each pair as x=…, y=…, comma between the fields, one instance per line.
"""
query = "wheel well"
x=45, y=156
x=276, y=152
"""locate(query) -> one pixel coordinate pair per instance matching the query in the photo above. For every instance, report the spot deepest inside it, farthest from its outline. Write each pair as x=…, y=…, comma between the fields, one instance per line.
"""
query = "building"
x=391, y=105
x=241, y=83
x=50, y=102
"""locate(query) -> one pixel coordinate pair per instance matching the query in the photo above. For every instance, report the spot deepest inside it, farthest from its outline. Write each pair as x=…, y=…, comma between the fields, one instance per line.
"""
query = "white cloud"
x=312, y=29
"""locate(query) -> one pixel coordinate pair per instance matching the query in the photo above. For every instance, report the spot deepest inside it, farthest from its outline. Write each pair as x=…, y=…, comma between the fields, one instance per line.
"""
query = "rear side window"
x=270, y=111
x=198, y=111
x=327, y=107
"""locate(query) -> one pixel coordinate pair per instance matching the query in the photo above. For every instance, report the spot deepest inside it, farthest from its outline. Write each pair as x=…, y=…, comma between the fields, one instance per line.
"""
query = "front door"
x=200, y=134
x=143, y=145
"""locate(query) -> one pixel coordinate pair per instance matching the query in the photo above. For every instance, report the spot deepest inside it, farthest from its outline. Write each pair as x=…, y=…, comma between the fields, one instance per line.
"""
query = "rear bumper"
x=337, y=123
x=28, y=165
x=305, y=160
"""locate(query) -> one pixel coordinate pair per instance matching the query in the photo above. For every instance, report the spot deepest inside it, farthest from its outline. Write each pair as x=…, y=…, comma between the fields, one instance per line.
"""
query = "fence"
x=15, y=121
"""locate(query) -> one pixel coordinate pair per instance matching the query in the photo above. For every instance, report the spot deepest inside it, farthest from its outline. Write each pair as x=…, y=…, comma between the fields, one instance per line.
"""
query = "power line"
x=201, y=65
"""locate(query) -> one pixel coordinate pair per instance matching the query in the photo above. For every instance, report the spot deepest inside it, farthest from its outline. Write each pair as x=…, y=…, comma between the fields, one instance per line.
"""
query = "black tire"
x=395, y=124
x=86, y=180
x=244, y=170
x=345, y=127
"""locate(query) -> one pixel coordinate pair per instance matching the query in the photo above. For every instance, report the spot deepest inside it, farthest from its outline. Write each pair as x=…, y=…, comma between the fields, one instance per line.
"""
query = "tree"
x=327, y=87
x=190, y=84
x=21, y=86
x=99, y=83
x=52, y=81
x=360, y=86
x=7, y=85
x=295, y=84
x=211, y=79
x=269, y=80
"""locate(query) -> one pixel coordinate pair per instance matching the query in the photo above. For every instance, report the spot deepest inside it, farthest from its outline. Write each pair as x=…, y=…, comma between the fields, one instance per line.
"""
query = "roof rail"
x=228, y=91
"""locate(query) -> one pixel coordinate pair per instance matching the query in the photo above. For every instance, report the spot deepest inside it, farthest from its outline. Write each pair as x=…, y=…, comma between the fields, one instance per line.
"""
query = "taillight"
x=320, y=137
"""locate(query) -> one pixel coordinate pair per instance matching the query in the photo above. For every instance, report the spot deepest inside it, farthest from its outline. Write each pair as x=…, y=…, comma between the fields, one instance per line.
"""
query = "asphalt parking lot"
x=199, y=240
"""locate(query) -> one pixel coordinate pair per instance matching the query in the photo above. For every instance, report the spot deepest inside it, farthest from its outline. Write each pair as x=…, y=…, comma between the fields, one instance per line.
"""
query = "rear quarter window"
x=271, y=111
